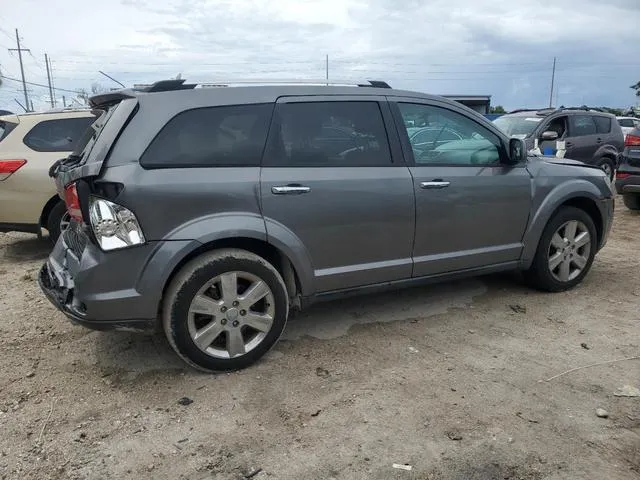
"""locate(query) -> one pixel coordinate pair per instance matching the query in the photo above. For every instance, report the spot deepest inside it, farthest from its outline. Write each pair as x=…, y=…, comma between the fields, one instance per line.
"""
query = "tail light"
x=7, y=167
x=114, y=226
x=622, y=175
x=73, y=202
x=632, y=141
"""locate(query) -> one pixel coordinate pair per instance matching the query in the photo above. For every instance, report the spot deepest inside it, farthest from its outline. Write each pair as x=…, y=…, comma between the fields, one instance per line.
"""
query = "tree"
x=497, y=109
x=636, y=87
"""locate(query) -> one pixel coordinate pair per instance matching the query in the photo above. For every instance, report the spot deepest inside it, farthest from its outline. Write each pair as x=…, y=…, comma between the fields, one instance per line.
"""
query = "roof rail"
x=532, y=110
x=584, y=107
x=352, y=83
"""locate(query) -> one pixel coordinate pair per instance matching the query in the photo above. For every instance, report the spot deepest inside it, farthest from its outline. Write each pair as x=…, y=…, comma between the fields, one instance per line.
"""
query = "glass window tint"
x=59, y=135
x=229, y=136
x=603, y=124
x=582, y=125
x=443, y=137
x=329, y=134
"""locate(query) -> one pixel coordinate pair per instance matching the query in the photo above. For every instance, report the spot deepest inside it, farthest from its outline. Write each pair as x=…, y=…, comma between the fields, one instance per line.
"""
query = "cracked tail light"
x=113, y=225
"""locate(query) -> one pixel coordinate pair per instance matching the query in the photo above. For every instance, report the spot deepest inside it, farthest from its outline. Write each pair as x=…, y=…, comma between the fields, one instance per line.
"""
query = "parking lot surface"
x=449, y=381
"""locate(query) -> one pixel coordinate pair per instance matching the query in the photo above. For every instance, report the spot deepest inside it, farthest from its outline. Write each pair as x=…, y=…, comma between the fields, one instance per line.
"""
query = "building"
x=479, y=103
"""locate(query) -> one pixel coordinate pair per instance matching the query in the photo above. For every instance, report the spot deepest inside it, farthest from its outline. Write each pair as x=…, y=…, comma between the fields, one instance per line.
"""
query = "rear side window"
x=581, y=125
x=228, y=136
x=603, y=124
x=624, y=122
x=323, y=134
x=60, y=135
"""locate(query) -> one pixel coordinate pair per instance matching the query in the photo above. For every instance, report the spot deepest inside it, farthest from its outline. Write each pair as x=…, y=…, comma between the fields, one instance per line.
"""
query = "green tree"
x=497, y=109
x=636, y=87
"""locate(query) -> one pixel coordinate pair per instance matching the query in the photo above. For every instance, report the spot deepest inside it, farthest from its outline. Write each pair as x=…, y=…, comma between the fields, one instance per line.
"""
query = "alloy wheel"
x=569, y=251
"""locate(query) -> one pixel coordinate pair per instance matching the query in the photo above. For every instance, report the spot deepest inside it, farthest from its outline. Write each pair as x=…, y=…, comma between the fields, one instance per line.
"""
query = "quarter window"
x=59, y=135
x=228, y=136
x=339, y=134
x=603, y=124
x=439, y=136
x=582, y=125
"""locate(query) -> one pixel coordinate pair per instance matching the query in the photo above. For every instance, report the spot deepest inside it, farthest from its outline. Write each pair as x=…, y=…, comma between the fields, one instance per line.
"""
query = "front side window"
x=603, y=124
x=59, y=135
x=582, y=125
x=318, y=134
x=446, y=137
x=517, y=125
x=227, y=136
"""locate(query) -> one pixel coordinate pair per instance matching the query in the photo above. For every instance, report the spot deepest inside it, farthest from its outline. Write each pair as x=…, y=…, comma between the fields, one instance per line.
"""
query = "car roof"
x=545, y=112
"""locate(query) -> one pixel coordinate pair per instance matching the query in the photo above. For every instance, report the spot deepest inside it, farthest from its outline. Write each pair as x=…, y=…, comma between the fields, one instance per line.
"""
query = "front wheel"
x=631, y=201
x=565, y=252
x=225, y=309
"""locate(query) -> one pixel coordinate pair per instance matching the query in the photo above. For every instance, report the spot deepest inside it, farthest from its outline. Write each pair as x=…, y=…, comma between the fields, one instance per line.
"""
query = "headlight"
x=114, y=226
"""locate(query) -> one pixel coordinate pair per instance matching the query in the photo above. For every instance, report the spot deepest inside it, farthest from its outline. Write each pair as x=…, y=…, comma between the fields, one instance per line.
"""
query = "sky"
x=467, y=47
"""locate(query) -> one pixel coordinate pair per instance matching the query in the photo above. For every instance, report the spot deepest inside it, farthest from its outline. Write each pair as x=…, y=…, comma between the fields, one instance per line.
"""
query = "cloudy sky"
x=494, y=47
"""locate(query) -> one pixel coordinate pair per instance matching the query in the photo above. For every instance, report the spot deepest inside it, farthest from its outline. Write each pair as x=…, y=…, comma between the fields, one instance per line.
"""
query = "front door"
x=471, y=209
x=330, y=178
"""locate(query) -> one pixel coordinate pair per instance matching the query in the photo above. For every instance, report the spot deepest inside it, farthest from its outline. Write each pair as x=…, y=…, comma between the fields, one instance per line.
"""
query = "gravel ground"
x=450, y=380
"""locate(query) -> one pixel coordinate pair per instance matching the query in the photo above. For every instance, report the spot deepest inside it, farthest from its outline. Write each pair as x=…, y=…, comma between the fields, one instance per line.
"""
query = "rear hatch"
x=8, y=123
x=114, y=110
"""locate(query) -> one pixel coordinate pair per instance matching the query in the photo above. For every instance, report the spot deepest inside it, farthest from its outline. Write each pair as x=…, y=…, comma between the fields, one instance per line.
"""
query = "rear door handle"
x=436, y=184
x=568, y=144
x=290, y=190
x=598, y=140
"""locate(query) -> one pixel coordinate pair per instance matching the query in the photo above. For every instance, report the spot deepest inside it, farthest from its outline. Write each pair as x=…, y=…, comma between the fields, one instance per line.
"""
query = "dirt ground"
x=448, y=379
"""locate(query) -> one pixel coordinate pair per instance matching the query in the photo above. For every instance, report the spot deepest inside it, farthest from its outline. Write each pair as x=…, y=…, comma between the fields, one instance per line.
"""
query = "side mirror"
x=517, y=151
x=549, y=135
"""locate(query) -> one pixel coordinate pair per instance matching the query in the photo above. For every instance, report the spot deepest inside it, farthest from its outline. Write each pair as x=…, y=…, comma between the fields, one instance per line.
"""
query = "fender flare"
x=575, y=189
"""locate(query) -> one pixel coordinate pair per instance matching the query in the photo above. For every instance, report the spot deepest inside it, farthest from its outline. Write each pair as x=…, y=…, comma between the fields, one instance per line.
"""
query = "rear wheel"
x=631, y=200
x=225, y=309
x=608, y=166
x=565, y=252
x=57, y=221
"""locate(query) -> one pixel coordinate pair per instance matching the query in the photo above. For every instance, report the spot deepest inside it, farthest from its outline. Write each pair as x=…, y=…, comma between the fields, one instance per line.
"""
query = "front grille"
x=75, y=238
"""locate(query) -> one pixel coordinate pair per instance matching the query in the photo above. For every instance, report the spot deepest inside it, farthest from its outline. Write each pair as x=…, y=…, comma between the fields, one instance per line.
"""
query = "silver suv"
x=216, y=211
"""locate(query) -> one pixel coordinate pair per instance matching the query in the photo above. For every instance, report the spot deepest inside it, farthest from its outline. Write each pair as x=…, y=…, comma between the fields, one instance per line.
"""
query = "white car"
x=627, y=124
x=29, y=144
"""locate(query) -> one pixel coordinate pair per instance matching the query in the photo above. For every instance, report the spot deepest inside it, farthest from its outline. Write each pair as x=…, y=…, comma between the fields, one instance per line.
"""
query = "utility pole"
x=46, y=62
x=64, y=101
x=24, y=83
x=553, y=79
x=326, y=75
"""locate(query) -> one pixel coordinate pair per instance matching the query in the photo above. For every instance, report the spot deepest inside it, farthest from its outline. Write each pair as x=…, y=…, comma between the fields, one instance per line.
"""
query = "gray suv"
x=589, y=135
x=214, y=212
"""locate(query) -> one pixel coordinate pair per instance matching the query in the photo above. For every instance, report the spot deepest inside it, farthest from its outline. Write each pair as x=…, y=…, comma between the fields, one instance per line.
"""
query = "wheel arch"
x=46, y=210
x=584, y=199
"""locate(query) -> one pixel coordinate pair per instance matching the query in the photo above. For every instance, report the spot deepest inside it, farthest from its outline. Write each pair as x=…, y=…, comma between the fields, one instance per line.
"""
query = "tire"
x=219, y=315
x=541, y=275
x=608, y=166
x=55, y=221
x=631, y=201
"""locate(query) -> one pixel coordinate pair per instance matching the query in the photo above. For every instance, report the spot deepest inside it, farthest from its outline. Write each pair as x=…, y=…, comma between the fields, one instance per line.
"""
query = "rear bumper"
x=98, y=289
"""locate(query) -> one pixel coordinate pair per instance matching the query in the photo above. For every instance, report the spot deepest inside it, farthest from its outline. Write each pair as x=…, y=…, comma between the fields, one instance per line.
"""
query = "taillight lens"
x=8, y=167
x=621, y=175
x=632, y=141
x=73, y=202
x=114, y=226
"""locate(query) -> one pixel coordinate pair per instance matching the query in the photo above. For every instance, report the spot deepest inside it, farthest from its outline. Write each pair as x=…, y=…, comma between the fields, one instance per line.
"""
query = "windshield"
x=517, y=126
x=85, y=144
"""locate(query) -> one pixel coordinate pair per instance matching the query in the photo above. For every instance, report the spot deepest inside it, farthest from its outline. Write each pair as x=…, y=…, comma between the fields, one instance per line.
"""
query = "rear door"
x=582, y=141
x=334, y=178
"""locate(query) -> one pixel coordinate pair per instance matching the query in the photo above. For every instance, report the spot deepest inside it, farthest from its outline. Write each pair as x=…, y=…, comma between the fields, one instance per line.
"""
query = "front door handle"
x=568, y=144
x=290, y=190
x=434, y=185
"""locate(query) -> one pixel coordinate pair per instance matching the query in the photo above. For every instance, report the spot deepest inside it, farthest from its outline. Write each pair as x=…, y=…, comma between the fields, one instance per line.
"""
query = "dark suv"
x=587, y=135
x=628, y=177
x=218, y=210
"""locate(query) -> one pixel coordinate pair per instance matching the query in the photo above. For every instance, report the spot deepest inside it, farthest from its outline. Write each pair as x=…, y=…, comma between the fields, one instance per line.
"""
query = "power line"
x=39, y=85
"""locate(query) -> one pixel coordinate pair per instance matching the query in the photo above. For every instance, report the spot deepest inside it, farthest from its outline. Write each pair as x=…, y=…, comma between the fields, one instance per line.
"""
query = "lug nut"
x=236, y=303
x=236, y=323
x=223, y=321
x=223, y=309
x=243, y=312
